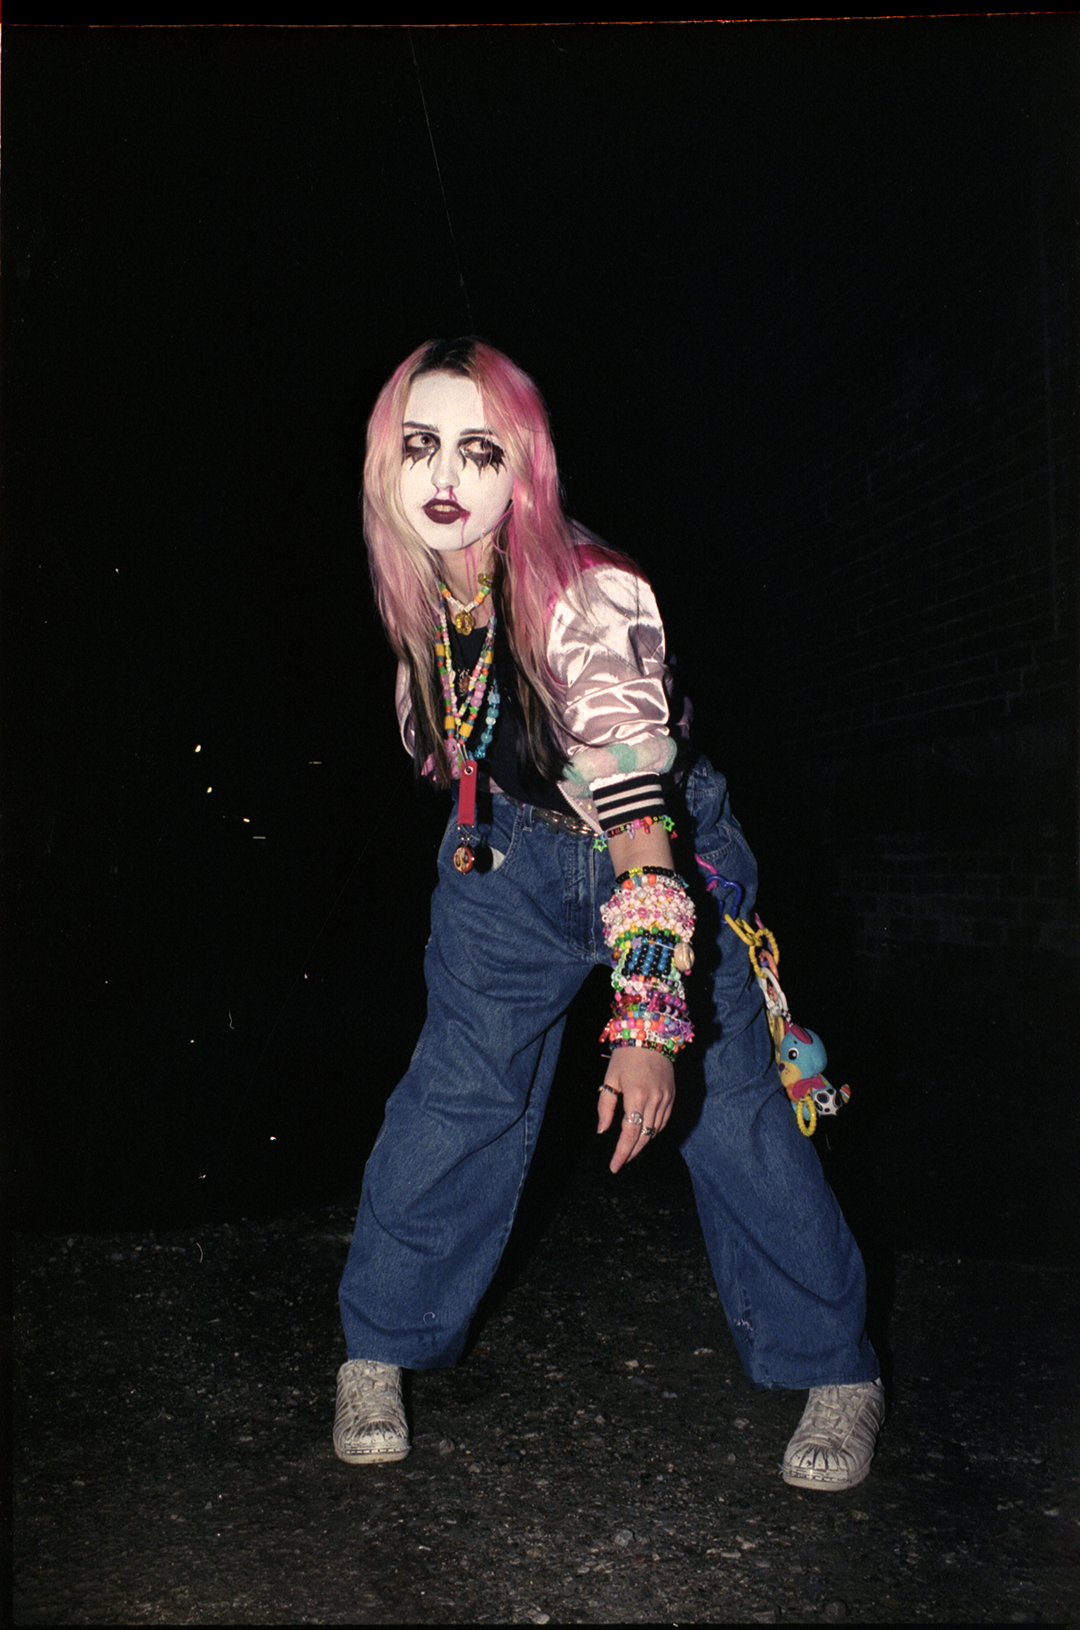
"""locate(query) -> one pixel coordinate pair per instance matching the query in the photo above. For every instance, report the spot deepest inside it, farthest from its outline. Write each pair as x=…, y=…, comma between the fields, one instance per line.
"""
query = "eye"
x=482, y=451
x=420, y=444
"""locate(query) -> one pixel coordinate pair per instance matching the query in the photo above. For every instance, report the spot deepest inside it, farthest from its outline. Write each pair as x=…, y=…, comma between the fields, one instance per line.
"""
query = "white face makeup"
x=455, y=482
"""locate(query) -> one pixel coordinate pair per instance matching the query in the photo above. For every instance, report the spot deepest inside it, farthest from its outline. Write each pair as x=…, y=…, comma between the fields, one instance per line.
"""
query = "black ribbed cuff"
x=630, y=800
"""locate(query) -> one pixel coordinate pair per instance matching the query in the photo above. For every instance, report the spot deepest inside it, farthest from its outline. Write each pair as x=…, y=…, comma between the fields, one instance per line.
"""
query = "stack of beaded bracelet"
x=644, y=823
x=648, y=923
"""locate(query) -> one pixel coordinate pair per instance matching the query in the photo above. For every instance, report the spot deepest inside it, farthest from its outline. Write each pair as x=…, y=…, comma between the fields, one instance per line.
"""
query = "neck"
x=460, y=570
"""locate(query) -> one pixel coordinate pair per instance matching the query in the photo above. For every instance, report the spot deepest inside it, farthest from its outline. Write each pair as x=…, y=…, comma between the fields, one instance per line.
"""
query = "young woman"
x=533, y=686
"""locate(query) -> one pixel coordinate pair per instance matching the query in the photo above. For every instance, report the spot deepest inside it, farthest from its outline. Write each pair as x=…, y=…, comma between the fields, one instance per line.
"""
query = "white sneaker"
x=369, y=1421
x=834, y=1442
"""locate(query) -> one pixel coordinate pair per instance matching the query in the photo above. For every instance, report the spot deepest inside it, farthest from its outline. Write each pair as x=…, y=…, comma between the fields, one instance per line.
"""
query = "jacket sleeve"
x=606, y=648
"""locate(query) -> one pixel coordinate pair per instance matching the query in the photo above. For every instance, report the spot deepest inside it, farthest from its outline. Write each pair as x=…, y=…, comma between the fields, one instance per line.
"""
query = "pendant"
x=464, y=622
x=463, y=858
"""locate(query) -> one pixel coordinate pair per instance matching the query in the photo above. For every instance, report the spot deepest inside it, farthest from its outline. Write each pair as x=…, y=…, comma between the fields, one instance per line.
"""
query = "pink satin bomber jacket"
x=606, y=649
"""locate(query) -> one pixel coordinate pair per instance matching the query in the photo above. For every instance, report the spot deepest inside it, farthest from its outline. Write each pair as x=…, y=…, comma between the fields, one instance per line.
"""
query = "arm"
x=611, y=659
x=645, y=1078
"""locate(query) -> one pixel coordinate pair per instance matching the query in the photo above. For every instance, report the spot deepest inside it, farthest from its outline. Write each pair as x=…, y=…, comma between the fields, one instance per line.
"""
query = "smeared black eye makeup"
x=484, y=452
x=478, y=448
x=419, y=444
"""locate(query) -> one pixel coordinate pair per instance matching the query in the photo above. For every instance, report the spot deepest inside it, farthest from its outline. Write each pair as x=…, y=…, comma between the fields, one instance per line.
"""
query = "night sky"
x=218, y=243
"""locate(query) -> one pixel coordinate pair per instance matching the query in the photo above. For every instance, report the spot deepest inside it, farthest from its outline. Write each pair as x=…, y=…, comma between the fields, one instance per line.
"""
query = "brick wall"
x=906, y=894
x=915, y=532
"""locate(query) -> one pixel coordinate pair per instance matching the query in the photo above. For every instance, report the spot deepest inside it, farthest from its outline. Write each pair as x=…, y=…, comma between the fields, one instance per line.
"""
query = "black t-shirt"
x=500, y=762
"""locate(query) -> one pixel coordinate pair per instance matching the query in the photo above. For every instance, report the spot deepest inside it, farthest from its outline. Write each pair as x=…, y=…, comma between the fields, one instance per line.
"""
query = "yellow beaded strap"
x=764, y=959
x=789, y=1040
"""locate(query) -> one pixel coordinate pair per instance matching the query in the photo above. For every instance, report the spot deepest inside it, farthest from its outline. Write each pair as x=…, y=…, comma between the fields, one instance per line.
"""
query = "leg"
x=440, y=1193
x=443, y=1182
x=789, y=1273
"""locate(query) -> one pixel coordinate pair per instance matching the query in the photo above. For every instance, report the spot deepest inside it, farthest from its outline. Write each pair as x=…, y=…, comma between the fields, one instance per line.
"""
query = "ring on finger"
x=635, y=1119
x=605, y=1088
x=650, y=1131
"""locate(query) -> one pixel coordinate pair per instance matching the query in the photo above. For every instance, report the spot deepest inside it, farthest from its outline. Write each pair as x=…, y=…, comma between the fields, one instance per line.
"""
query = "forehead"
x=450, y=402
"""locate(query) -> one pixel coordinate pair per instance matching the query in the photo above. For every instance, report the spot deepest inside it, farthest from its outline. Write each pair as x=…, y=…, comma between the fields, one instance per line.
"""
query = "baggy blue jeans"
x=509, y=949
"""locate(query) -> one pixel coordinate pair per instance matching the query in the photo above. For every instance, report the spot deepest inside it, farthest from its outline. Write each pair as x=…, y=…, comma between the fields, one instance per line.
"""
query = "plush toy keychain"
x=800, y=1053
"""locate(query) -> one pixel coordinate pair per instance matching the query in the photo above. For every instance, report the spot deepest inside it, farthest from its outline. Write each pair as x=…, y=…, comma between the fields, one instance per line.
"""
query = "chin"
x=448, y=548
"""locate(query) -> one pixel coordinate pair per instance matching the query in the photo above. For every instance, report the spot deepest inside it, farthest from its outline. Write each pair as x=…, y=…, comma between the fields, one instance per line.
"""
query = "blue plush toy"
x=802, y=1058
x=800, y=1053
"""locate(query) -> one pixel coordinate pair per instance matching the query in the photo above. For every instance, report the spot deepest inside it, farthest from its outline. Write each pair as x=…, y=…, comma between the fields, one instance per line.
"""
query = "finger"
x=608, y=1102
x=625, y=1149
x=647, y=1132
x=630, y=1141
x=662, y=1115
x=655, y=1109
x=635, y=1138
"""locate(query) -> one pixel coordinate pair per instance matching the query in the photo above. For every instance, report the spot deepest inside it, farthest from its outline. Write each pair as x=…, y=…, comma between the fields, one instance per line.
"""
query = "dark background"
x=801, y=298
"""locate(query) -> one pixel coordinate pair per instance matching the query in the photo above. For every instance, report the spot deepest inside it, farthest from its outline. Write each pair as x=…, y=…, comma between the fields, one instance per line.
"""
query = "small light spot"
x=209, y=789
x=198, y=747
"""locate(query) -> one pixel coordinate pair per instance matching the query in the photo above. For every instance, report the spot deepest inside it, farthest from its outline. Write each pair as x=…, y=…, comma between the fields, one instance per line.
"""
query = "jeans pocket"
x=494, y=843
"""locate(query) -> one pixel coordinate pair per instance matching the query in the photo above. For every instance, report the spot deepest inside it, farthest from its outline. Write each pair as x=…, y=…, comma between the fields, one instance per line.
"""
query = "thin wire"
x=442, y=189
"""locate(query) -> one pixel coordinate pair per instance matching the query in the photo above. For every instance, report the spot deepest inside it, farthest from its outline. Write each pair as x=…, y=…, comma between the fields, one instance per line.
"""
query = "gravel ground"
x=597, y=1459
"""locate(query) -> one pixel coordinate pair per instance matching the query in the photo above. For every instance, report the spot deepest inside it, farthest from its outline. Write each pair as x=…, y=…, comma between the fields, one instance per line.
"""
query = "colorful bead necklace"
x=459, y=717
x=464, y=621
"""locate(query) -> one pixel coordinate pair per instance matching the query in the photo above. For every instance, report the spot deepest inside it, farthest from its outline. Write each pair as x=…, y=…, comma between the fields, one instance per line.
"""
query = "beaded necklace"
x=459, y=718
x=464, y=621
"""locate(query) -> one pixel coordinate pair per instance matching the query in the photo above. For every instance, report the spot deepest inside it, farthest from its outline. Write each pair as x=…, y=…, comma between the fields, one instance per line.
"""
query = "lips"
x=443, y=511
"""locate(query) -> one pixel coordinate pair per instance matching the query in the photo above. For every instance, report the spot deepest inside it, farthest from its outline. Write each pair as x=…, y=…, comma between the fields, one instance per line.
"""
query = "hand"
x=645, y=1079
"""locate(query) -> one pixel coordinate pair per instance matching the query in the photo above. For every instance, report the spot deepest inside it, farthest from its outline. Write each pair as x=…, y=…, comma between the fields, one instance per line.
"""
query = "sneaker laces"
x=369, y=1400
x=841, y=1419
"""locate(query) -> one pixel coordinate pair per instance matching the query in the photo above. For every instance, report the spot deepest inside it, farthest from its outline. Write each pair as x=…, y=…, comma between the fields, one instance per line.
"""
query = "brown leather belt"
x=553, y=820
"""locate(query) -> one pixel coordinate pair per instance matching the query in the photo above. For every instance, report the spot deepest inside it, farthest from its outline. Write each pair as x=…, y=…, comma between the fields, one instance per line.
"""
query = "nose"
x=445, y=468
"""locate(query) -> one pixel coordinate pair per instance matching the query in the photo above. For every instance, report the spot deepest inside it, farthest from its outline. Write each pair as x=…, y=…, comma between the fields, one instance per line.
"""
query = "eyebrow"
x=415, y=424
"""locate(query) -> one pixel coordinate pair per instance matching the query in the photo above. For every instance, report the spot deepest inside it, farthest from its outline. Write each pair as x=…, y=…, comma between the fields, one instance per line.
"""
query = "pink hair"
x=537, y=545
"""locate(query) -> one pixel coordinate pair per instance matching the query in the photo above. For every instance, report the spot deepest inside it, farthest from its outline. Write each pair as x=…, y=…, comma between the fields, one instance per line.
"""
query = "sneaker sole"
x=823, y=1485
x=377, y=1457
